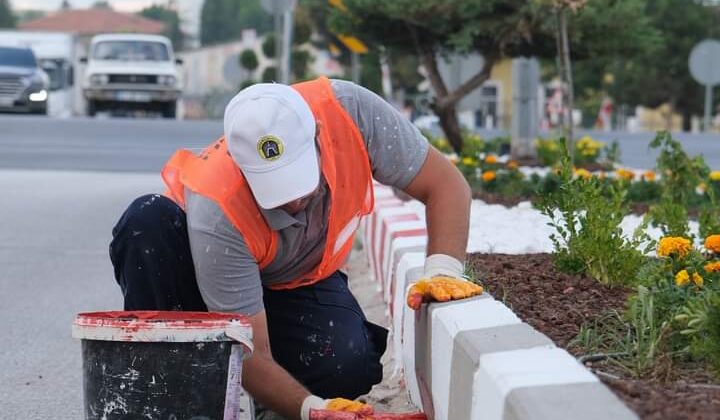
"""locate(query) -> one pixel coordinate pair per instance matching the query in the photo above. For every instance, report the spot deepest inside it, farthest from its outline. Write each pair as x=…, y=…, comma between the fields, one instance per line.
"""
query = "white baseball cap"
x=270, y=132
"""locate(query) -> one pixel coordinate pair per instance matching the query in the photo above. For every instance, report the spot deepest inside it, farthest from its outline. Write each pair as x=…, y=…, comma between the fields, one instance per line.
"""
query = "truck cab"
x=131, y=72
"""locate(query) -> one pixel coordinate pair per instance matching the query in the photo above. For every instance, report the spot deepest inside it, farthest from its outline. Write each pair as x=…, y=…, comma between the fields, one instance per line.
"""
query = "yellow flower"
x=712, y=267
x=698, y=280
x=491, y=159
x=715, y=176
x=488, y=176
x=682, y=278
x=625, y=174
x=583, y=173
x=700, y=189
x=673, y=245
x=649, y=176
x=512, y=165
x=468, y=161
x=712, y=243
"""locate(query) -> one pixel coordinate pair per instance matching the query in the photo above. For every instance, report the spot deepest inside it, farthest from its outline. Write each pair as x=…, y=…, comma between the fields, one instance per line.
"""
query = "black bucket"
x=163, y=365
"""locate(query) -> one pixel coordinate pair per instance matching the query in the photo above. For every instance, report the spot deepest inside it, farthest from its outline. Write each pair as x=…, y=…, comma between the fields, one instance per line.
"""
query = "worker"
x=262, y=221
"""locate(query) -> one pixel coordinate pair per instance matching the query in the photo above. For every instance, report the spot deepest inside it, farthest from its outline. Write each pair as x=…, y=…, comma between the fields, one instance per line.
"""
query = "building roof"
x=94, y=21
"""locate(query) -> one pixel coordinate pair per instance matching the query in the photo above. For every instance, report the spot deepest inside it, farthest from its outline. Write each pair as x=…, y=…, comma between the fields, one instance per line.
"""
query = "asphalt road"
x=117, y=145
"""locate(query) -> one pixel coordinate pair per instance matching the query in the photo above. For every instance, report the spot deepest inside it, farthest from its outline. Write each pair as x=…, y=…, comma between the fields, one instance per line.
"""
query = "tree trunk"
x=686, y=119
x=450, y=126
x=445, y=103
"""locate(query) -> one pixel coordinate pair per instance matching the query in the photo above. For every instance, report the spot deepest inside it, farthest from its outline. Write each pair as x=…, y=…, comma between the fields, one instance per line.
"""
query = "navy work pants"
x=318, y=333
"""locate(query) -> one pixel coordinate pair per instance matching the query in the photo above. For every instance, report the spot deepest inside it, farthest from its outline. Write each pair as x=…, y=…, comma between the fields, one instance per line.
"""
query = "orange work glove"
x=441, y=289
x=342, y=404
x=342, y=409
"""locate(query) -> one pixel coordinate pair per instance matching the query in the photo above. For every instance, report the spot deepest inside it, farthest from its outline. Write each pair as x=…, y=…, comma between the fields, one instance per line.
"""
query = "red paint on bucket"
x=148, y=319
x=163, y=326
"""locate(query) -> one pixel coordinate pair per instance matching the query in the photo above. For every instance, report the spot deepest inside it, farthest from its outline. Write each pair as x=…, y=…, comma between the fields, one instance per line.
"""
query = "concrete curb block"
x=472, y=359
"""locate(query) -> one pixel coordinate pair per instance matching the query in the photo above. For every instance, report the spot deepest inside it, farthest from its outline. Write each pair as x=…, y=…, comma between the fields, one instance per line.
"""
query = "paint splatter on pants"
x=318, y=333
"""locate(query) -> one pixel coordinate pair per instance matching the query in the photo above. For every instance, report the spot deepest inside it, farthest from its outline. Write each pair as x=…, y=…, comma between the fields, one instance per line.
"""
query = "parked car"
x=55, y=53
x=23, y=84
x=131, y=72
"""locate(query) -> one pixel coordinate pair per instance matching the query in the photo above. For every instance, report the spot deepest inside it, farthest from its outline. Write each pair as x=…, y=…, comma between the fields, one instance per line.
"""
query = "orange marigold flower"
x=491, y=159
x=712, y=243
x=682, y=278
x=673, y=245
x=698, y=280
x=512, y=165
x=488, y=176
x=712, y=267
x=649, y=176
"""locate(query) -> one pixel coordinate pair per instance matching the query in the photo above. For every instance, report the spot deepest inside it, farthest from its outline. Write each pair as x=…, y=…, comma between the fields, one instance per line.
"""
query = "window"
x=17, y=57
x=131, y=51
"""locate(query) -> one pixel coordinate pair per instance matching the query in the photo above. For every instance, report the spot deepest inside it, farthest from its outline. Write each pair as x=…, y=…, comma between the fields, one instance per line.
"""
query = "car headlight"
x=166, y=80
x=99, y=79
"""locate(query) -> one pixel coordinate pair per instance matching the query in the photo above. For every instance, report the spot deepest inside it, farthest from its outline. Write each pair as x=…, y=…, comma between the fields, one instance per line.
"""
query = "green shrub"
x=549, y=151
x=248, y=60
x=588, y=238
x=680, y=176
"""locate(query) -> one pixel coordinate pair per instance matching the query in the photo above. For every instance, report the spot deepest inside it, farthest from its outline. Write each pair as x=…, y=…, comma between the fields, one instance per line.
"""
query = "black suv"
x=23, y=84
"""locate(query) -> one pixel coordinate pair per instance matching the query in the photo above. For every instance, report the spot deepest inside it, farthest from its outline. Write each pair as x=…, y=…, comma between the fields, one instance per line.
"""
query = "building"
x=89, y=22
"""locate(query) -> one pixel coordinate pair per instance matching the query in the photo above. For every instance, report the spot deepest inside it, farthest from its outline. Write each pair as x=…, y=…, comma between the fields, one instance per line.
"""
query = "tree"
x=433, y=28
x=171, y=19
x=7, y=18
x=658, y=73
x=224, y=20
x=494, y=28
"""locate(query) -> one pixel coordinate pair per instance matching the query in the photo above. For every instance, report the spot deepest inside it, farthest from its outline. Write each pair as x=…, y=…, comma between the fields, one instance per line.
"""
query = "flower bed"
x=562, y=306
x=643, y=312
x=497, y=179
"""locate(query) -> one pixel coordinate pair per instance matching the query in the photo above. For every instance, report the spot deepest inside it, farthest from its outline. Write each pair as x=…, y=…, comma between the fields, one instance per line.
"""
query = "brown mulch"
x=557, y=304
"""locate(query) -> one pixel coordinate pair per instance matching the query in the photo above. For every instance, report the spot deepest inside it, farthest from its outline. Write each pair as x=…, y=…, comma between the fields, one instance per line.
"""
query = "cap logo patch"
x=270, y=147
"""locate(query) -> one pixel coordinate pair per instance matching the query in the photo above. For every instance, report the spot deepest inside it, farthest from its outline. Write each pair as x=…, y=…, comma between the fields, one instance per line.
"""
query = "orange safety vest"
x=345, y=167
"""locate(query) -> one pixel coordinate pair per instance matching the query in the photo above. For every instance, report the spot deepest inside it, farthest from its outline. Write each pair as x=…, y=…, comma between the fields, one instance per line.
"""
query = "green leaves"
x=586, y=215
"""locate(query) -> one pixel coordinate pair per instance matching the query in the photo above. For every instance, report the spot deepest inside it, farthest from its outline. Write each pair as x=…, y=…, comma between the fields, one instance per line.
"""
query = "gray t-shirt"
x=228, y=276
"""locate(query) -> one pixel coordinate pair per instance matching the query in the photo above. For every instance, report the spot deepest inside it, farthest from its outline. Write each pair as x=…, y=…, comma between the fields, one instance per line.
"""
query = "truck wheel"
x=91, y=108
x=169, y=110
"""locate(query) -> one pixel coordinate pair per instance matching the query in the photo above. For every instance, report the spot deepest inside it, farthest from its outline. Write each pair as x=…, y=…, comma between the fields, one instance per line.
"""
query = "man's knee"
x=148, y=211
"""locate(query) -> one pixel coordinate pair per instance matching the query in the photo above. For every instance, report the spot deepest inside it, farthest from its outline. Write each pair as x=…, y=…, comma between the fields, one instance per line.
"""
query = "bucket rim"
x=163, y=326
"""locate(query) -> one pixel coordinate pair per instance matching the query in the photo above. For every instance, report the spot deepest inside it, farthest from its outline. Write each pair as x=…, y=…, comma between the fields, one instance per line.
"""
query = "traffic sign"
x=704, y=65
x=705, y=62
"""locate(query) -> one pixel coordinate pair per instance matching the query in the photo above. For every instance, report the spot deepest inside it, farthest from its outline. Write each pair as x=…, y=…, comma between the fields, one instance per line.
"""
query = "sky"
x=51, y=5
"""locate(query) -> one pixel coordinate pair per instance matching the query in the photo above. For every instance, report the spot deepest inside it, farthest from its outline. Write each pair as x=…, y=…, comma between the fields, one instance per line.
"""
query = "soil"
x=557, y=304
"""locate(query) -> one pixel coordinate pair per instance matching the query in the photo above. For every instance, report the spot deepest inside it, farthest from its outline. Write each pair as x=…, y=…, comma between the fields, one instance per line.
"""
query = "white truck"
x=131, y=72
x=55, y=55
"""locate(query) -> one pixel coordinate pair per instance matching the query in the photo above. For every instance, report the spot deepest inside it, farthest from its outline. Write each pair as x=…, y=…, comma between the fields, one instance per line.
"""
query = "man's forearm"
x=273, y=386
x=447, y=212
x=446, y=195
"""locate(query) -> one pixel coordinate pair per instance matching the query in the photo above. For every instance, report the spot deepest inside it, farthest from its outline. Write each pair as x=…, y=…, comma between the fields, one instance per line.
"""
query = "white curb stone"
x=473, y=359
